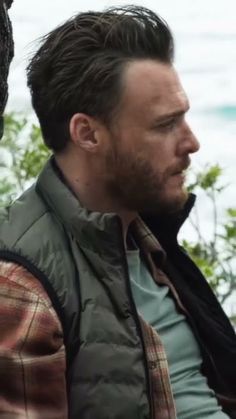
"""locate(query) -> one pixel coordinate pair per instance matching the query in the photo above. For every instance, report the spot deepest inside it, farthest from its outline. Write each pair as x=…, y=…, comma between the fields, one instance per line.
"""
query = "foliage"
x=215, y=255
x=22, y=155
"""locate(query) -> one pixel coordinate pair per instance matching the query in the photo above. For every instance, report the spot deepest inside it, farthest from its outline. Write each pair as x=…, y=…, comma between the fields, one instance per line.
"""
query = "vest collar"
x=91, y=229
x=94, y=228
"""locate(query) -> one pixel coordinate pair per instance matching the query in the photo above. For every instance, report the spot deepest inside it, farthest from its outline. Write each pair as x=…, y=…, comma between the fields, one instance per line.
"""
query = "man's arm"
x=32, y=354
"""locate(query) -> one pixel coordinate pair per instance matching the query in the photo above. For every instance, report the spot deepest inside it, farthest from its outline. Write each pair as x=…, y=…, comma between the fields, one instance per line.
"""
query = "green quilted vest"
x=80, y=259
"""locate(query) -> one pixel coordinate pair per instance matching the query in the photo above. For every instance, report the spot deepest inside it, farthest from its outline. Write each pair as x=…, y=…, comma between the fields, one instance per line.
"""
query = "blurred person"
x=103, y=314
x=6, y=55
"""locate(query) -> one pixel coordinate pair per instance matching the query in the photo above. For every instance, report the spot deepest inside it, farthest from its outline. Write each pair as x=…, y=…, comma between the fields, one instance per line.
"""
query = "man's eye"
x=168, y=125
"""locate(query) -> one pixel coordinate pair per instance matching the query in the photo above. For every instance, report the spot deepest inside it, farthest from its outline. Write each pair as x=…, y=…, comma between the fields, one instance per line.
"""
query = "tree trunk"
x=6, y=54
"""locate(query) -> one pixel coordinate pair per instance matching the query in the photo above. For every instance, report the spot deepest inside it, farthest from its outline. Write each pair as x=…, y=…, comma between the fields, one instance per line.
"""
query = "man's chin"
x=177, y=203
x=168, y=204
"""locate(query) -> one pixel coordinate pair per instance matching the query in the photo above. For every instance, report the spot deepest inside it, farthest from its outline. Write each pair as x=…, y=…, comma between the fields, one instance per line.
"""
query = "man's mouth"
x=182, y=170
x=180, y=173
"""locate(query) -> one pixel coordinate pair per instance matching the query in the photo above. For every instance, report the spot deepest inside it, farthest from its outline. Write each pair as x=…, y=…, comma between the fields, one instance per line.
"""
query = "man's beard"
x=134, y=184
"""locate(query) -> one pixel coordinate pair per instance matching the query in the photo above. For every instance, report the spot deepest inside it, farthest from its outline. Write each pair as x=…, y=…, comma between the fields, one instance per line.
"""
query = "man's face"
x=150, y=141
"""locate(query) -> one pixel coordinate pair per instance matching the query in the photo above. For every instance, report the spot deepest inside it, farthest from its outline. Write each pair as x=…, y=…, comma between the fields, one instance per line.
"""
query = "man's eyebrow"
x=174, y=114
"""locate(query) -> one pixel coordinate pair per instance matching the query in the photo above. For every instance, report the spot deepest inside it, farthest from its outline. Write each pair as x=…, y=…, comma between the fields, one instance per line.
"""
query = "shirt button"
x=152, y=365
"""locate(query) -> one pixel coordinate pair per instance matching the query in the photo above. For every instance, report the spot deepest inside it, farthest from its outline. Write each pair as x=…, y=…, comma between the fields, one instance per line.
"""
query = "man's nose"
x=189, y=142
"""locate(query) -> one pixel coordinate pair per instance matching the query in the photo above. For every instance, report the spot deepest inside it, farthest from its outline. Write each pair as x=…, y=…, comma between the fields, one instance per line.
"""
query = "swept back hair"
x=79, y=66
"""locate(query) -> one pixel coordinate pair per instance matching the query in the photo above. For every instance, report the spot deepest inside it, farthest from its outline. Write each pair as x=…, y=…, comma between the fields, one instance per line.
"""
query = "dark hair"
x=6, y=55
x=78, y=67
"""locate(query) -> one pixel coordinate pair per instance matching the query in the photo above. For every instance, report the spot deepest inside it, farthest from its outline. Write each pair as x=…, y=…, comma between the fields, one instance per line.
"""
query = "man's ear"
x=84, y=132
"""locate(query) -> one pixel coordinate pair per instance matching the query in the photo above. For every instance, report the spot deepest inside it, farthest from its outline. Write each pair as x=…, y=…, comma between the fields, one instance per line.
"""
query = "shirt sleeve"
x=32, y=353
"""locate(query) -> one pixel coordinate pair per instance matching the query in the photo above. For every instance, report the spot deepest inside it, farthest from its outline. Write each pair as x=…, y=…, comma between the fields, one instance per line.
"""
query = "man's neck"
x=93, y=197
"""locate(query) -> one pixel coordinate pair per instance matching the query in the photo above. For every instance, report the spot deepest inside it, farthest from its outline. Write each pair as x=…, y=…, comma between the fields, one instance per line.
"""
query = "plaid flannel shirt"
x=32, y=354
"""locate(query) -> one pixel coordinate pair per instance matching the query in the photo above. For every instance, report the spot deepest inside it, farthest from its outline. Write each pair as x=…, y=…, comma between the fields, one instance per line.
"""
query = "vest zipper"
x=139, y=328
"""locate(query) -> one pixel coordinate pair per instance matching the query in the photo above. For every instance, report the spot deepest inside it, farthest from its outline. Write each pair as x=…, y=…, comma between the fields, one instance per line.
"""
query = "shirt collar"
x=146, y=240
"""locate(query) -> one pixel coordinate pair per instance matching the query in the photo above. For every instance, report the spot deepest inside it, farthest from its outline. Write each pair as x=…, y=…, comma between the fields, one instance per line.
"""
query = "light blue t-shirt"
x=193, y=397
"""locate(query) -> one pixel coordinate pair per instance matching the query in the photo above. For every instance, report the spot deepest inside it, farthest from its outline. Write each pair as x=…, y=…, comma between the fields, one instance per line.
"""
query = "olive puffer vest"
x=79, y=257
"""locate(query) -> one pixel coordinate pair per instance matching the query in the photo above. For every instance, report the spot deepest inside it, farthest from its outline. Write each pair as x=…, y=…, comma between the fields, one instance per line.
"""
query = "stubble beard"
x=136, y=187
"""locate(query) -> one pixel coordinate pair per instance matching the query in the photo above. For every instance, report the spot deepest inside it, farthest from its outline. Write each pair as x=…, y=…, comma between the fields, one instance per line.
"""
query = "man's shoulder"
x=28, y=205
x=20, y=281
x=24, y=220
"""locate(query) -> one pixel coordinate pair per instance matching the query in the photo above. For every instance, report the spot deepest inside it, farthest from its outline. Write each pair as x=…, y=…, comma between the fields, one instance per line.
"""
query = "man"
x=103, y=314
x=6, y=55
